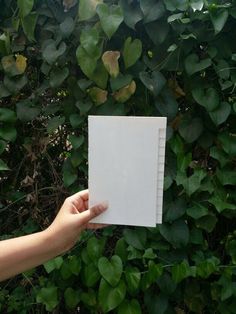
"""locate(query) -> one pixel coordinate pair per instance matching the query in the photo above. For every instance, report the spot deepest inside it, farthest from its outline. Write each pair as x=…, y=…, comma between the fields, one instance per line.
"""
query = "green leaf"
x=54, y=123
x=87, y=9
x=182, y=271
x=25, y=6
x=4, y=92
x=29, y=24
x=26, y=110
x=149, y=254
x=166, y=104
x=110, y=17
x=226, y=177
x=150, y=277
x=130, y=307
x=136, y=238
x=132, y=277
x=89, y=40
x=190, y=130
x=49, y=297
x=208, y=98
x=220, y=204
x=84, y=107
x=100, y=76
x=7, y=115
x=194, y=65
x=228, y=143
x=111, y=297
x=57, y=76
x=3, y=145
x=74, y=263
x=8, y=133
x=120, y=81
x=154, y=81
x=72, y=297
x=90, y=275
x=197, y=211
x=207, y=267
x=156, y=303
x=53, y=264
x=163, y=30
x=221, y=114
x=219, y=155
x=174, y=210
x=67, y=27
x=111, y=270
x=196, y=5
x=219, y=18
x=176, y=233
x=86, y=63
x=3, y=166
x=152, y=10
x=132, y=51
x=132, y=13
x=95, y=248
x=14, y=85
x=207, y=223
x=51, y=53
x=121, y=249
x=89, y=298
x=76, y=141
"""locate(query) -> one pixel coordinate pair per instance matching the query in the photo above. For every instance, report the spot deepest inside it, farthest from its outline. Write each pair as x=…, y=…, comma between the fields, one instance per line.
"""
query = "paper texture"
x=126, y=168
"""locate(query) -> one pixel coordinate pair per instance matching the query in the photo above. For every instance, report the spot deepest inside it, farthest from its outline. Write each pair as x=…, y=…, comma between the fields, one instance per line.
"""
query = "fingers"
x=91, y=213
x=96, y=226
x=82, y=194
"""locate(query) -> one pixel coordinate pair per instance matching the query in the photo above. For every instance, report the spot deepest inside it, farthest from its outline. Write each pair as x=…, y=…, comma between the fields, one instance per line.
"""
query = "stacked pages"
x=126, y=168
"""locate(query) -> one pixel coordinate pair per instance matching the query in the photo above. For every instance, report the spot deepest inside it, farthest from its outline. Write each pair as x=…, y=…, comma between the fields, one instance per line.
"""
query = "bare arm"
x=20, y=254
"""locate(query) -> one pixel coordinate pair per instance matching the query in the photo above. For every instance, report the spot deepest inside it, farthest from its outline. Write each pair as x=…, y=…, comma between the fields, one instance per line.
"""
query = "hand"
x=74, y=217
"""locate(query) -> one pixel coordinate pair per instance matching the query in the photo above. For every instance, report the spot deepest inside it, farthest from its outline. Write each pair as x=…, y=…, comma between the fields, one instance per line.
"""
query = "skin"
x=23, y=253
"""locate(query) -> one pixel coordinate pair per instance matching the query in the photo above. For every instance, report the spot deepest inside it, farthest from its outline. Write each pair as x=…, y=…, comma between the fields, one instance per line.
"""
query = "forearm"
x=23, y=253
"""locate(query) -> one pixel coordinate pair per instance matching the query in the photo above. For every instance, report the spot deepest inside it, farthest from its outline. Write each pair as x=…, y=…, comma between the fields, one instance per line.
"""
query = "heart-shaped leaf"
x=132, y=13
x=8, y=133
x=26, y=110
x=219, y=19
x=152, y=10
x=57, y=76
x=7, y=115
x=163, y=29
x=29, y=24
x=221, y=114
x=123, y=94
x=86, y=63
x=176, y=233
x=120, y=81
x=67, y=27
x=110, y=61
x=194, y=65
x=154, y=81
x=51, y=52
x=98, y=95
x=110, y=18
x=132, y=51
x=89, y=40
x=190, y=130
x=208, y=98
x=196, y=5
x=111, y=270
x=25, y=6
x=87, y=9
x=111, y=297
x=130, y=307
x=3, y=166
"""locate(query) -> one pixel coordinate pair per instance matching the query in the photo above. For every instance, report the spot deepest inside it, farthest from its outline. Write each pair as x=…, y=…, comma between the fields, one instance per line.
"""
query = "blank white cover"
x=124, y=168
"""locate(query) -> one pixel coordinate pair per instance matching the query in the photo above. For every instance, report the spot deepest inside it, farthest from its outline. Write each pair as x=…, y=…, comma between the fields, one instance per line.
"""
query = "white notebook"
x=126, y=168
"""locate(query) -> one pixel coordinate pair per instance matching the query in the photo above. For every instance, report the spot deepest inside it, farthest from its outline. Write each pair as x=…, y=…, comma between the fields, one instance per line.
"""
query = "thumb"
x=87, y=215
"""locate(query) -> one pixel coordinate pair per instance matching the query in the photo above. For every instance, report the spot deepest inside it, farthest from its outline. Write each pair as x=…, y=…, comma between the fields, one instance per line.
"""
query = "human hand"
x=74, y=217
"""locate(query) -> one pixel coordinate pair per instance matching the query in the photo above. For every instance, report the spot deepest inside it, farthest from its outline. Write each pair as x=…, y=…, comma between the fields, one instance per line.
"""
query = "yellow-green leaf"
x=125, y=93
x=98, y=95
x=110, y=61
x=21, y=63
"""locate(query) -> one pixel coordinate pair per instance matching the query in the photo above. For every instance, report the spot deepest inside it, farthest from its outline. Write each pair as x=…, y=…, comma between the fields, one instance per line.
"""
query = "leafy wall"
x=63, y=60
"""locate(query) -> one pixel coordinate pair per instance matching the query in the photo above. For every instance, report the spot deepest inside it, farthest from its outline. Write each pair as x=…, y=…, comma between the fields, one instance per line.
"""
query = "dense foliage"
x=62, y=60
